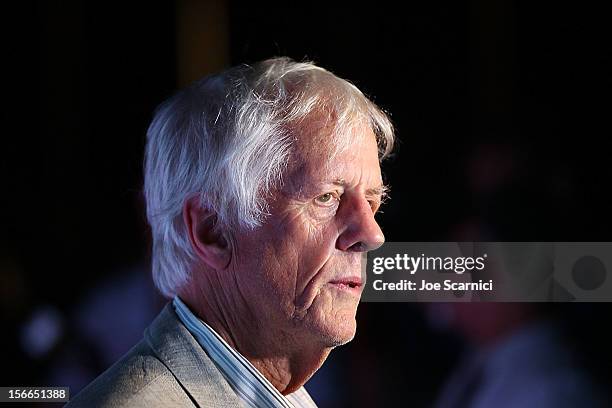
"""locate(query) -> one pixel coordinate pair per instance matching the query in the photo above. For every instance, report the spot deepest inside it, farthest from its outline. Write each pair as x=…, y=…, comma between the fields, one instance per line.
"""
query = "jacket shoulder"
x=139, y=379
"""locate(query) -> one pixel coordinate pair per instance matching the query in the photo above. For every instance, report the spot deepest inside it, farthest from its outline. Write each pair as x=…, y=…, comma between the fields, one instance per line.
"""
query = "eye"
x=330, y=199
x=325, y=198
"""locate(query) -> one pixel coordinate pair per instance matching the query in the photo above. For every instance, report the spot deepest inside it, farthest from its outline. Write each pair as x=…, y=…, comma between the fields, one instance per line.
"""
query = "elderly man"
x=261, y=186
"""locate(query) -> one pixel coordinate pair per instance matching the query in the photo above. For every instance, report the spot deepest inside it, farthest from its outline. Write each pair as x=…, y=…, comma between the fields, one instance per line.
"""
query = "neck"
x=285, y=360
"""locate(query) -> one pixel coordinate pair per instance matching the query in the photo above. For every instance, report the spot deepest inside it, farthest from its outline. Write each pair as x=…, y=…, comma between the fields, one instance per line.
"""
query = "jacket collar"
x=188, y=362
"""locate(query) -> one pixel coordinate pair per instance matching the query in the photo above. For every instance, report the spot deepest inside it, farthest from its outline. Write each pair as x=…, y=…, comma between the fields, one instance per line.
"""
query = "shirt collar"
x=249, y=384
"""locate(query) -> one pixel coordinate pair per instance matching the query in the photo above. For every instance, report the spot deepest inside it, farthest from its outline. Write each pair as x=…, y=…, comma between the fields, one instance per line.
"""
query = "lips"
x=350, y=283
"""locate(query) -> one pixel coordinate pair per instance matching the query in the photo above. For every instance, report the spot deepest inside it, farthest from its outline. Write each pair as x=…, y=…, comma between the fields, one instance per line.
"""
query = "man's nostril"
x=357, y=247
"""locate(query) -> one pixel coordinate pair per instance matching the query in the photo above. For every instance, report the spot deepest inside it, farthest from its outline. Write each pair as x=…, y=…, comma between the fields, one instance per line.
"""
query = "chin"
x=330, y=320
x=341, y=336
x=335, y=330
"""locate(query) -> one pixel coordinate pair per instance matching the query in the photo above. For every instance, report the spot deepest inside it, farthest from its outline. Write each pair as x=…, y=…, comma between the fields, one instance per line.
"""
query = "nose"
x=361, y=232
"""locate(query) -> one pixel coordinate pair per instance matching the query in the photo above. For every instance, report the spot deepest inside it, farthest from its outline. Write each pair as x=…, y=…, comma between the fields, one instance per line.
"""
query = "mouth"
x=348, y=284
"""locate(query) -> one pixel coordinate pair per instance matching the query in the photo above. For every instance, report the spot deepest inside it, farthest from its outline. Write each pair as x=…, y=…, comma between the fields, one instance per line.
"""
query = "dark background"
x=502, y=109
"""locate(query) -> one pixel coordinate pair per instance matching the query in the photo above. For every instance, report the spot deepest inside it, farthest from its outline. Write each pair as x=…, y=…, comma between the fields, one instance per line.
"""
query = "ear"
x=208, y=241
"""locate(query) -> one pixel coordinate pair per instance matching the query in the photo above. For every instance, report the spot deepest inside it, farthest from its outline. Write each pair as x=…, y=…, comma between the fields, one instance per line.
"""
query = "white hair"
x=227, y=139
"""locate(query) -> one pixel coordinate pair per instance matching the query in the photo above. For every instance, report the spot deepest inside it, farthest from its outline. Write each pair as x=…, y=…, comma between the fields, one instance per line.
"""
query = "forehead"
x=320, y=155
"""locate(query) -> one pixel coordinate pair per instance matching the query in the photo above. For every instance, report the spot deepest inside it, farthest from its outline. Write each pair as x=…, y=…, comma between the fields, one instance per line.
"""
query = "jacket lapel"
x=188, y=362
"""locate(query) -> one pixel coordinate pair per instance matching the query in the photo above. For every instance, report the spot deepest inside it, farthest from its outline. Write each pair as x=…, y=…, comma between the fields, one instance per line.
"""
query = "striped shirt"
x=248, y=383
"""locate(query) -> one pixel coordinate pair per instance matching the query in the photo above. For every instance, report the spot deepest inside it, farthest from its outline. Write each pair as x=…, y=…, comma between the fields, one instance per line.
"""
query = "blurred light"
x=41, y=332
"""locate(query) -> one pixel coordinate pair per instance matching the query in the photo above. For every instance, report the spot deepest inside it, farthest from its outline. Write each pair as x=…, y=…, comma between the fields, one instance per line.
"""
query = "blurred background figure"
x=516, y=356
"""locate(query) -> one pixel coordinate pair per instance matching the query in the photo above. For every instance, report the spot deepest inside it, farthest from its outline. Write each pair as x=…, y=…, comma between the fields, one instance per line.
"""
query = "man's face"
x=301, y=270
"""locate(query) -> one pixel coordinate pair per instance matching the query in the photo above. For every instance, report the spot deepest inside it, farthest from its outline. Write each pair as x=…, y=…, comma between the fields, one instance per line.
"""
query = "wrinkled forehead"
x=322, y=148
x=324, y=135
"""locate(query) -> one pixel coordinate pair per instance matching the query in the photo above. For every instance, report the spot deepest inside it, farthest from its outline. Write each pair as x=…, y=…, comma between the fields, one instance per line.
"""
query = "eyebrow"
x=381, y=190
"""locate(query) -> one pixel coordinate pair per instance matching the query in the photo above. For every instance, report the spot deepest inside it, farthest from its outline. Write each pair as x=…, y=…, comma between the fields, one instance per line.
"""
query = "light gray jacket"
x=168, y=368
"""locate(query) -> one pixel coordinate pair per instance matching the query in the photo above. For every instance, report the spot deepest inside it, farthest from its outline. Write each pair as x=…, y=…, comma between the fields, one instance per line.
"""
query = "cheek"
x=284, y=264
x=307, y=248
x=308, y=234
x=271, y=266
x=316, y=241
x=266, y=279
x=307, y=222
